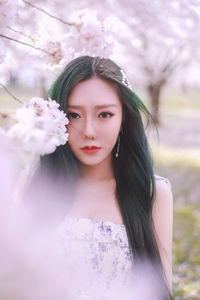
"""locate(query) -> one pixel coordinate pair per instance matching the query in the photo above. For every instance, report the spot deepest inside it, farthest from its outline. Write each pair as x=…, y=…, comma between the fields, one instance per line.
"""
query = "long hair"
x=133, y=169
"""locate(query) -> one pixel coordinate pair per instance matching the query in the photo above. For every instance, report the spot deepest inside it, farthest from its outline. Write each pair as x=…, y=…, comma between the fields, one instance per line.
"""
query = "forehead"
x=94, y=92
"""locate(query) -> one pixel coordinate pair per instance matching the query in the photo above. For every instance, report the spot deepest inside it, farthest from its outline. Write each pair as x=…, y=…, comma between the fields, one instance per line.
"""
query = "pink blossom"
x=7, y=12
x=90, y=36
x=39, y=127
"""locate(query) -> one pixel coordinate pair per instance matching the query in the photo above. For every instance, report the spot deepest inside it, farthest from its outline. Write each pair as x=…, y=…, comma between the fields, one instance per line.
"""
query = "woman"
x=108, y=158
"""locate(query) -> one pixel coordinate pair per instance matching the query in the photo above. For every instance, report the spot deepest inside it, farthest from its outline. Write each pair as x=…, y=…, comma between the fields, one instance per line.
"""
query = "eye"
x=72, y=115
x=105, y=114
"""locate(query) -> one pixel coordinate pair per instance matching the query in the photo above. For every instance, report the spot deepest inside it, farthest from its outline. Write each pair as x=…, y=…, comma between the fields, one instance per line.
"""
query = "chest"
x=96, y=201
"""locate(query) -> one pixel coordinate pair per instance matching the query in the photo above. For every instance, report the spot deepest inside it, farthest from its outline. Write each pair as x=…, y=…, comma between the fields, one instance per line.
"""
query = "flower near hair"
x=40, y=127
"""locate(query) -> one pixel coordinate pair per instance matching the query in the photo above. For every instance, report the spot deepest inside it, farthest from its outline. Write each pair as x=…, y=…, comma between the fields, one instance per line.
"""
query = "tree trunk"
x=154, y=91
x=43, y=91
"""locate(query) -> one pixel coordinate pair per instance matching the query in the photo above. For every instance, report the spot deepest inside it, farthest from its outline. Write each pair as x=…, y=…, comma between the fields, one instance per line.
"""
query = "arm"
x=162, y=214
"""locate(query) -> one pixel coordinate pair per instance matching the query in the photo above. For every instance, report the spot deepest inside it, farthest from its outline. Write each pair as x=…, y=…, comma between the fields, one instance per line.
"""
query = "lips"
x=90, y=149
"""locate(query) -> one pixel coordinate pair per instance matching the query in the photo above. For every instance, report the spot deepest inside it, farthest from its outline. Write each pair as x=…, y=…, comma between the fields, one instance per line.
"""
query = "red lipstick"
x=90, y=149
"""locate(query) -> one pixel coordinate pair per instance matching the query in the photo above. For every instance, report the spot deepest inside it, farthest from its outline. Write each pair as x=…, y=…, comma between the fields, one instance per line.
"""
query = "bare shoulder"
x=163, y=197
x=163, y=190
x=162, y=183
x=162, y=214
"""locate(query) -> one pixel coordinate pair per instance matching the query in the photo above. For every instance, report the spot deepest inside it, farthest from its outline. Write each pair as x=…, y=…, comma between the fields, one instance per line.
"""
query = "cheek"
x=73, y=137
x=109, y=133
x=73, y=129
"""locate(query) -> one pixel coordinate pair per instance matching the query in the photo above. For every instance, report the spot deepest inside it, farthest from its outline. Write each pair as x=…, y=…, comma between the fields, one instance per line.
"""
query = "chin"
x=92, y=161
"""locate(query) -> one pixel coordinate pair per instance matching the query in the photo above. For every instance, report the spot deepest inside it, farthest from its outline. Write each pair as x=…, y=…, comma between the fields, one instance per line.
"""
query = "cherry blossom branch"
x=26, y=44
x=49, y=14
x=20, y=32
x=15, y=98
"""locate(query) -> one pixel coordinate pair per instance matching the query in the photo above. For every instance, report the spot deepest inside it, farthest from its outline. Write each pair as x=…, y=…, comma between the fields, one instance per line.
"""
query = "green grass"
x=184, y=174
x=177, y=156
x=179, y=160
x=176, y=100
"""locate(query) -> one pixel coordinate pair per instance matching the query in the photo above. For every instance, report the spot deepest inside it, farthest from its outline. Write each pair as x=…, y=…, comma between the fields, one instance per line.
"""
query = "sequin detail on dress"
x=98, y=248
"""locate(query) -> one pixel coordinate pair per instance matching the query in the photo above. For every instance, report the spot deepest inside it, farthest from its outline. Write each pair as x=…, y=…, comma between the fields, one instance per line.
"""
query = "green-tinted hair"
x=135, y=183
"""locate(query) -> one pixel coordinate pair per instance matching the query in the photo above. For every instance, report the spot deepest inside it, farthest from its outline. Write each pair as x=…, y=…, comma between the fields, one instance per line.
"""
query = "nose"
x=89, y=128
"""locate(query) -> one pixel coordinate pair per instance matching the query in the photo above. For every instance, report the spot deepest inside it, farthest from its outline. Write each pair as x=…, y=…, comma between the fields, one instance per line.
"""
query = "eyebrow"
x=97, y=106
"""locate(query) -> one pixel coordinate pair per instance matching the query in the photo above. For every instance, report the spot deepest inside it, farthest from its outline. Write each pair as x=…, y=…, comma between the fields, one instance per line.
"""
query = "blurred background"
x=157, y=44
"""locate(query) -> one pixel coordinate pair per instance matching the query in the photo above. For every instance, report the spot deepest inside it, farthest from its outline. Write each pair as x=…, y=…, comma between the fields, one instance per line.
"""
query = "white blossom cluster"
x=7, y=12
x=83, y=34
x=38, y=127
x=87, y=36
x=90, y=35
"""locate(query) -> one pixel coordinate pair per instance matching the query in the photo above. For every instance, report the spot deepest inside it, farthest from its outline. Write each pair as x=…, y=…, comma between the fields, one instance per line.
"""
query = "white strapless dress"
x=96, y=255
x=97, y=258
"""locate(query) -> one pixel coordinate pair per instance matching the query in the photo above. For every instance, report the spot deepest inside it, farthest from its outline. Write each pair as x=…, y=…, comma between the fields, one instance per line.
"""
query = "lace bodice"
x=98, y=249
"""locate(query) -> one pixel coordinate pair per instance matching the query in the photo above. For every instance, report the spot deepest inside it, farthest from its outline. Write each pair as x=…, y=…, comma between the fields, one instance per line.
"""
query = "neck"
x=101, y=171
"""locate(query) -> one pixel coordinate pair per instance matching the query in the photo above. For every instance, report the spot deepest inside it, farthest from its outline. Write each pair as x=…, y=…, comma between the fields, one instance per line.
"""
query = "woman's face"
x=95, y=117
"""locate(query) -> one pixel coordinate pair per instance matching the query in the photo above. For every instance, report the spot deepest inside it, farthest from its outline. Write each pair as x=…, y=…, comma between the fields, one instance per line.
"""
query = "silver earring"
x=118, y=144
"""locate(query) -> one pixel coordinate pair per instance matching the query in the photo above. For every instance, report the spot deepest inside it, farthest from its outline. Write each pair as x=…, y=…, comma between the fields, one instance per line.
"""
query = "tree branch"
x=26, y=44
x=48, y=14
x=15, y=98
x=20, y=32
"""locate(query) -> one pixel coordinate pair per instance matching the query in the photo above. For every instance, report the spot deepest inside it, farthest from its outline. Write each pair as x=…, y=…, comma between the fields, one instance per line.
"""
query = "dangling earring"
x=118, y=144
